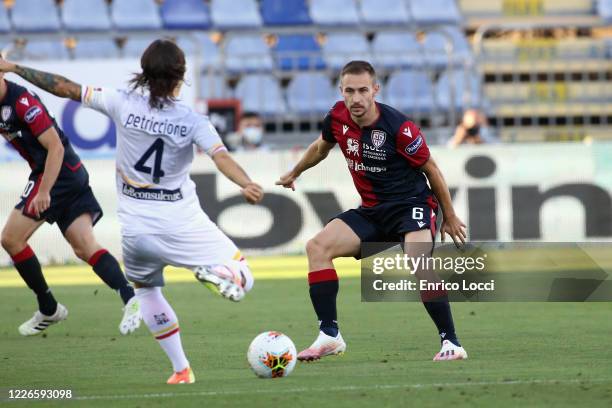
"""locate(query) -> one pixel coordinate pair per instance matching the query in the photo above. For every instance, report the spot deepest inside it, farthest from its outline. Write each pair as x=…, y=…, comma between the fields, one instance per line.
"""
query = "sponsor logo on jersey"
x=357, y=166
x=406, y=132
x=32, y=113
x=352, y=146
x=345, y=129
x=413, y=147
x=24, y=101
x=378, y=138
x=152, y=194
x=5, y=112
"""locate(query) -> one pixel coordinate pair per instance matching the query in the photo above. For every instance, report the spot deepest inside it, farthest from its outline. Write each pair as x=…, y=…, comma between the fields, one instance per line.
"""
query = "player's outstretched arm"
x=451, y=224
x=251, y=191
x=316, y=152
x=52, y=83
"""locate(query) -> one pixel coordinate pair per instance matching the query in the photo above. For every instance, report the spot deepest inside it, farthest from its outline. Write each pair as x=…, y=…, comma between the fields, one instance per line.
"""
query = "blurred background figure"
x=249, y=135
x=473, y=129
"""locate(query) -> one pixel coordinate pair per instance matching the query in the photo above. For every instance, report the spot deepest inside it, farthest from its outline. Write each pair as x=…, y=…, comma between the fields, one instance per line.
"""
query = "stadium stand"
x=45, y=49
x=397, y=49
x=379, y=12
x=247, y=53
x=298, y=52
x=326, y=12
x=134, y=46
x=35, y=16
x=339, y=48
x=92, y=48
x=5, y=23
x=435, y=12
x=285, y=12
x=135, y=15
x=235, y=14
x=311, y=93
x=185, y=15
x=261, y=93
x=209, y=52
x=410, y=91
x=604, y=9
x=91, y=15
x=213, y=86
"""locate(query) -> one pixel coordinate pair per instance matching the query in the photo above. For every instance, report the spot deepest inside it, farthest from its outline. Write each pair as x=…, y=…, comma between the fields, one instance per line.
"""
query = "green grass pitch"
x=521, y=354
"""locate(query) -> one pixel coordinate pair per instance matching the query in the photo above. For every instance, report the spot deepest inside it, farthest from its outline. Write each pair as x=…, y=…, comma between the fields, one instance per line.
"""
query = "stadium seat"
x=334, y=12
x=134, y=46
x=298, y=51
x=135, y=15
x=467, y=90
x=340, y=48
x=90, y=15
x=384, y=12
x=427, y=12
x=410, y=91
x=397, y=49
x=285, y=12
x=604, y=9
x=35, y=16
x=96, y=48
x=261, y=93
x=185, y=14
x=435, y=45
x=5, y=23
x=247, y=53
x=311, y=93
x=213, y=86
x=45, y=49
x=209, y=52
x=235, y=14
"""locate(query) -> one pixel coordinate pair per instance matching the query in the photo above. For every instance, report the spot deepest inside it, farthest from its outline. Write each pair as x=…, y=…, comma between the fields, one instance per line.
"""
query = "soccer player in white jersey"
x=162, y=222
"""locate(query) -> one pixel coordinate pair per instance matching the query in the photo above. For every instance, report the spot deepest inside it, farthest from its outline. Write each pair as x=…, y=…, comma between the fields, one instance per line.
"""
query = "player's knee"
x=316, y=249
x=10, y=243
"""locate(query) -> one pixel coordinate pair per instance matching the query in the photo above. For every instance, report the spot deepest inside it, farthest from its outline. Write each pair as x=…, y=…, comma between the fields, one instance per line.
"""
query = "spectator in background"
x=249, y=135
x=471, y=130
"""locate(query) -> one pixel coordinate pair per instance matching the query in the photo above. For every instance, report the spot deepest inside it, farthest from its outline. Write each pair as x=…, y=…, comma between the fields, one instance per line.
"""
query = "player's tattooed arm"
x=52, y=83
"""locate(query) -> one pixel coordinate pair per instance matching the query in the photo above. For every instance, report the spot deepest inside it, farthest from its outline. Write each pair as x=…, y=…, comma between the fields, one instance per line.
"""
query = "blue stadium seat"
x=340, y=48
x=90, y=15
x=46, y=49
x=384, y=12
x=410, y=91
x=298, y=51
x=285, y=12
x=435, y=45
x=35, y=16
x=209, y=52
x=261, y=93
x=213, y=86
x=5, y=23
x=135, y=14
x=96, y=48
x=604, y=9
x=247, y=53
x=397, y=49
x=135, y=46
x=185, y=14
x=466, y=86
x=435, y=11
x=334, y=12
x=311, y=93
x=235, y=14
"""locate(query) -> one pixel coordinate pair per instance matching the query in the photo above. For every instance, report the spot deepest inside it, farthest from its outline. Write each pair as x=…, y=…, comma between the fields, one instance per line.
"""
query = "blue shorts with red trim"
x=390, y=221
x=71, y=196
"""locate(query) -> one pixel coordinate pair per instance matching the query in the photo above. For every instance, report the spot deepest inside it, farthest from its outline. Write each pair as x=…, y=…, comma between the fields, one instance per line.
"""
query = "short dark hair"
x=250, y=115
x=163, y=67
x=358, y=67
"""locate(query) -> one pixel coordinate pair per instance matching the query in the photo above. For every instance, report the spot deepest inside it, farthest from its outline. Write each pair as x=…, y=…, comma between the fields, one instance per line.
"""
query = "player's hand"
x=287, y=181
x=40, y=203
x=253, y=193
x=454, y=227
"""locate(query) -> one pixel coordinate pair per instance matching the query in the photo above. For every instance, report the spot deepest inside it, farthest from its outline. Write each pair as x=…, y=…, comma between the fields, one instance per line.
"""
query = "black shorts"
x=390, y=221
x=71, y=196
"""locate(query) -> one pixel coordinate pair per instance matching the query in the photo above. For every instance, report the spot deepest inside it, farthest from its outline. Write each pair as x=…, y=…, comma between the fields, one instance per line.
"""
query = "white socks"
x=163, y=324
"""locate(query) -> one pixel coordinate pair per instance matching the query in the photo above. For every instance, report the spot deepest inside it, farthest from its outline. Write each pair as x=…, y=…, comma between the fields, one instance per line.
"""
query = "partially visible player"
x=390, y=163
x=57, y=191
x=162, y=222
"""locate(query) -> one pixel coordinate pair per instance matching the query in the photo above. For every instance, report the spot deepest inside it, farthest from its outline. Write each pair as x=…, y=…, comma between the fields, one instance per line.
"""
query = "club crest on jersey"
x=5, y=112
x=378, y=138
x=352, y=146
x=32, y=113
x=413, y=147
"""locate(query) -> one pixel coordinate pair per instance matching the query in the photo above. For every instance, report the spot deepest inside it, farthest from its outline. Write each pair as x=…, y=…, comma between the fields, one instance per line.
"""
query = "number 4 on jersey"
x=157, y=149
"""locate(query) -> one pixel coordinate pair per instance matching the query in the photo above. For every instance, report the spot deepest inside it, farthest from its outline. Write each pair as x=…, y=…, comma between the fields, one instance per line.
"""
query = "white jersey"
x=155, y=149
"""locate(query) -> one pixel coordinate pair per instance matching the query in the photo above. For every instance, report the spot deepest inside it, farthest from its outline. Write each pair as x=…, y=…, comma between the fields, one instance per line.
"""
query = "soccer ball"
x=272, y=355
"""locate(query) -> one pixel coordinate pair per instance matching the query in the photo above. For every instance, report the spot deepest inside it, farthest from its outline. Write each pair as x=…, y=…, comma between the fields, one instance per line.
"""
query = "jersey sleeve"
x=411, y=144
x=326, y=130
x=105, y=100
x=33, y=114
x=207, y=138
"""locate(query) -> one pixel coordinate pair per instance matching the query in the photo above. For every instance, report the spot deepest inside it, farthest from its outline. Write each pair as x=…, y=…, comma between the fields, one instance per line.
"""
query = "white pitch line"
x=339, y=388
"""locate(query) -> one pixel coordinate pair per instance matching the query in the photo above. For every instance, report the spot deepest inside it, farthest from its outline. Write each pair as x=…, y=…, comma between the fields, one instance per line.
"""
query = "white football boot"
x=450, y=351
x=323, y=346
x=39, y=322
x=223, y=280
x=131, y=317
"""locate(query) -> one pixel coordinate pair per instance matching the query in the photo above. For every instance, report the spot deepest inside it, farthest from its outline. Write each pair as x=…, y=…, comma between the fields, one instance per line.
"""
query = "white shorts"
x=145, y=256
